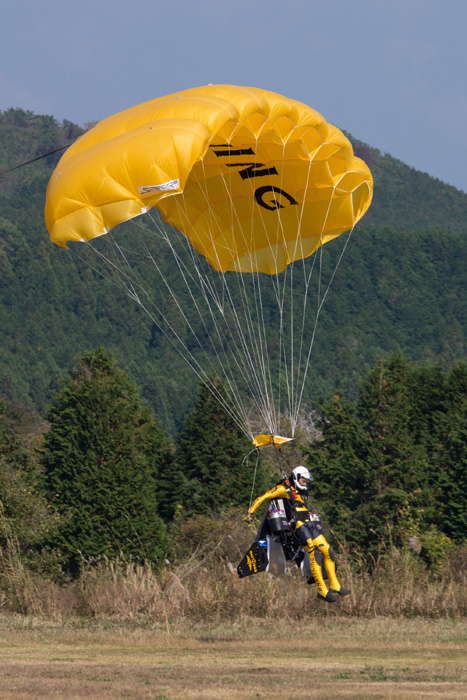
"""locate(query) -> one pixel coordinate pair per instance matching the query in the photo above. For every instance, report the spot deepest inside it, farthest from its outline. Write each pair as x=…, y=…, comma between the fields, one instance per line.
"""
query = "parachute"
x=256, y=183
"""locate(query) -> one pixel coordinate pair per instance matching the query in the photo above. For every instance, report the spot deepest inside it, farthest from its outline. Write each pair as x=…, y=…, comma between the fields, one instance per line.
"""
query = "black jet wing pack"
x=275, y=545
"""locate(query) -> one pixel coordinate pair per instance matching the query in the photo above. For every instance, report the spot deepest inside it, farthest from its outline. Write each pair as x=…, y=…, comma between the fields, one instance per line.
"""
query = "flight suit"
x=309, y=531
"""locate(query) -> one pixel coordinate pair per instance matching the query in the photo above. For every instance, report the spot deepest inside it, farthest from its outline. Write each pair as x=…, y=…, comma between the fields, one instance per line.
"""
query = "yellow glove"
x=248, y=518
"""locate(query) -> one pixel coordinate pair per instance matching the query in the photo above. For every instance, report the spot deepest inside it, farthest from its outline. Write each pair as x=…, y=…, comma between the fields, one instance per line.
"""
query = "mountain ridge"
x=400, y=287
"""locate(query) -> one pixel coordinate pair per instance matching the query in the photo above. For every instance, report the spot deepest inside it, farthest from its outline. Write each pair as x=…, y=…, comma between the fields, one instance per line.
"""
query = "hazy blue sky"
x=390, y=72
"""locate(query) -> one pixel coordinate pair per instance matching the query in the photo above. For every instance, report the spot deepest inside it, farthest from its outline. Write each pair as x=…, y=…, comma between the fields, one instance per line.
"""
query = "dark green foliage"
x=405, y=199
x=441, y=425
x=211, y=473
x=101, y=459
x=394, y=463
x=27, y=522
x=393, y=292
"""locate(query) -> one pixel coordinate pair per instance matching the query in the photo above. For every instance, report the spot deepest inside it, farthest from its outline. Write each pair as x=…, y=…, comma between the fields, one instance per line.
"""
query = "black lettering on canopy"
x=274, y=203
x=251, y=170
x=227, y=150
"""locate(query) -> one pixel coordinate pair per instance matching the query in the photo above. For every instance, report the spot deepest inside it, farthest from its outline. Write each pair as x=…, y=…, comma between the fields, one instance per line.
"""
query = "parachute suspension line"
x=253, y=361
x=246, y=362
x=113, y=277
x=185, y=274
x=301, y=374
x=293, y=304
x=241, y=418
x=200, y=285
x=127, y=284
x=259, y=339
x=295, y=374
x=287, y=351
x=318, y=311
x=249, y=353
x=280, y=456
x=243, y=329
x=256, y=329
x=287, y=348
x=279, y=293
x=224, y=287
x=280, y=301
x=245, y=460
x=297, y=404
x=269, y=406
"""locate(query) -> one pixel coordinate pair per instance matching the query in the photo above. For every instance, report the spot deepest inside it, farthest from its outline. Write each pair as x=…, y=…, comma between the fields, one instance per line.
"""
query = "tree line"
x=103, y=479
x=100, y=478
x=393, y=465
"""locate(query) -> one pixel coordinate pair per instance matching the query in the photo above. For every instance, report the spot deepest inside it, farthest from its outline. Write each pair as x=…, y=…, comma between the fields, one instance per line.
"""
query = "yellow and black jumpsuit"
x=309, y=531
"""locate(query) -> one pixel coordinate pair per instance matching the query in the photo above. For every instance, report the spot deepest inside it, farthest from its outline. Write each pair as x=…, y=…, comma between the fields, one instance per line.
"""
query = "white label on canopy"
x=153, y=189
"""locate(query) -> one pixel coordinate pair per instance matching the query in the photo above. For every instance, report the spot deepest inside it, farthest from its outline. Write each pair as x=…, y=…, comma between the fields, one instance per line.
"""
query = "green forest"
x=111, y=450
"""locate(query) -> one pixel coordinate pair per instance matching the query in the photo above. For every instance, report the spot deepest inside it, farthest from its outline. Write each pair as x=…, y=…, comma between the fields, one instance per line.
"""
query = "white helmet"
x=301, y=472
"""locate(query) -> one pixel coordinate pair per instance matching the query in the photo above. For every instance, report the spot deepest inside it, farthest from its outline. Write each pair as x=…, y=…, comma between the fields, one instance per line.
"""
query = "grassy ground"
x=246, y=659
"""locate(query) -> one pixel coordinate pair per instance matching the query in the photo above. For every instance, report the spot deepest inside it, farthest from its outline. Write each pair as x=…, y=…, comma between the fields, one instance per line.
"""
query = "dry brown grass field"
x=245, y=658
x=193, y=629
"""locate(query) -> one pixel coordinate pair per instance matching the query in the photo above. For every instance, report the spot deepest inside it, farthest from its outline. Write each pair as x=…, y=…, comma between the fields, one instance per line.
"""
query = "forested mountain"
x=400, y=286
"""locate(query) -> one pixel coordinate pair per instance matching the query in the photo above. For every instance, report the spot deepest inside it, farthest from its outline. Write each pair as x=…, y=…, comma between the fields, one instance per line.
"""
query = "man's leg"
x=324, y=593
x=330, y=565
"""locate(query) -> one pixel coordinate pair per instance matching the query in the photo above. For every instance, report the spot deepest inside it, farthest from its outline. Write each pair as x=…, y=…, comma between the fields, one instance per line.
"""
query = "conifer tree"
x=442, y=417
x=101, y=459
x=336, y=465
x=370, y=470
x=394, y=493
x=210, y=472
x=27, y=522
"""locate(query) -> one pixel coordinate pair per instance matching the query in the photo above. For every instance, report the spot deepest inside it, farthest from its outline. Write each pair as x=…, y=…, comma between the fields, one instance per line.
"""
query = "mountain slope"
x=400, y=286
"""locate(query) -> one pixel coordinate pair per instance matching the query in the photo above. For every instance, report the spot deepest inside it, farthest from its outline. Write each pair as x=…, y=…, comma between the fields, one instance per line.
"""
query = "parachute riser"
x=285, y=478
x=280, y=457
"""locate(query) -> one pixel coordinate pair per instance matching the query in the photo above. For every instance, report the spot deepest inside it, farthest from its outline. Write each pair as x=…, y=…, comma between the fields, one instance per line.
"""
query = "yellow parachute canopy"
x=253, y=179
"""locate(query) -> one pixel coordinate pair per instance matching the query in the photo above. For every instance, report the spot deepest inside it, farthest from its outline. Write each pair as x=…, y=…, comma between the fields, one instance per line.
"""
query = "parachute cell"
x=253, y=179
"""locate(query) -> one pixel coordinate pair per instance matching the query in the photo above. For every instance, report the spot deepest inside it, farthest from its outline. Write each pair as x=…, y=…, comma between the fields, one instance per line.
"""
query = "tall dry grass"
x=17, y=589
x=202, y=584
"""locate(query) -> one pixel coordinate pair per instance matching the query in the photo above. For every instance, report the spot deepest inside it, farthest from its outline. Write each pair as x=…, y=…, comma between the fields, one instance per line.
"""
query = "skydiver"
x=309, y=531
